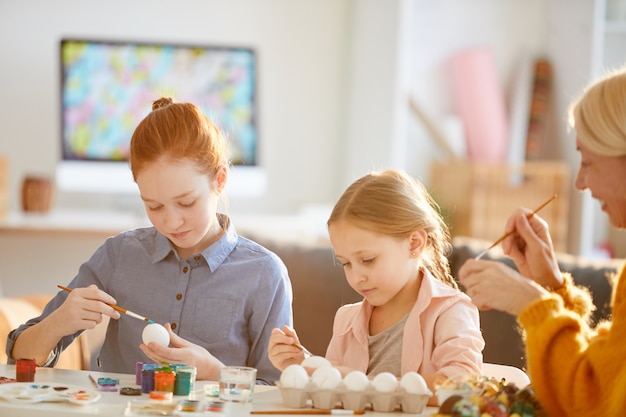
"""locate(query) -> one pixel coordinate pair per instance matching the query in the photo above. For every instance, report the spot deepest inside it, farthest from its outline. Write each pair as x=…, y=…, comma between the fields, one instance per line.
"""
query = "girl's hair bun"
x=162, y=102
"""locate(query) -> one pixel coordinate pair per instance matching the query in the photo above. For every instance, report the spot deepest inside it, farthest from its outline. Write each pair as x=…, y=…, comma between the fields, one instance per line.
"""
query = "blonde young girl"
x=392, y=243
x=219, y=294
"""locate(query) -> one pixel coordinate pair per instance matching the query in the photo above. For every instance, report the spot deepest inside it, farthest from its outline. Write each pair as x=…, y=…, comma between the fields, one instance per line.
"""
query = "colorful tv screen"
x=108, y=87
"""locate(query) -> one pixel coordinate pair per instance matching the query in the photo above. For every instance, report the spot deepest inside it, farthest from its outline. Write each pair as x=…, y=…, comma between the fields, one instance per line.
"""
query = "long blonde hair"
x=599, y=115
x=392, y=203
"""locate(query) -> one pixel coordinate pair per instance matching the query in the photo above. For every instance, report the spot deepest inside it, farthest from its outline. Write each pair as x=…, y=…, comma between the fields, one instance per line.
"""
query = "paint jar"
x=138, y=369
x=161, y=396
x=108, y=384
x=147, y=378
x=164, y=379
x=185, y=380
x=25, y=370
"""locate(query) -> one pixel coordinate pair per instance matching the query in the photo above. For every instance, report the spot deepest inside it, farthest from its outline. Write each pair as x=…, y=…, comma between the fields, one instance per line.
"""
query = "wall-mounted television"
x=107, y=87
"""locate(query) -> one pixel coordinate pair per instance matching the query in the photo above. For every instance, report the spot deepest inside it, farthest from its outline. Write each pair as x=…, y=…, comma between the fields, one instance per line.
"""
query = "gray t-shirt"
x=386, y=350
x=226, y=299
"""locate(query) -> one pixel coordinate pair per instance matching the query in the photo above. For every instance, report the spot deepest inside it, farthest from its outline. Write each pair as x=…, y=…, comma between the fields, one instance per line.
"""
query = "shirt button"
x=173, y=326
x=185, y=269
x=179, y=296
x=197, y=257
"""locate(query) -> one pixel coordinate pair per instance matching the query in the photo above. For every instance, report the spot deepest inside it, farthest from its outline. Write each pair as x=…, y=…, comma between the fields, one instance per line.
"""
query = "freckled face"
x=376, y=266
x=181, y=204
x=604, y=177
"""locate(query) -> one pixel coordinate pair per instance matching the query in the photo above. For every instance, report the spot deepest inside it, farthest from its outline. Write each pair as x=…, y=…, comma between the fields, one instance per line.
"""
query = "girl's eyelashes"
x=184, y=205
x=363, y=261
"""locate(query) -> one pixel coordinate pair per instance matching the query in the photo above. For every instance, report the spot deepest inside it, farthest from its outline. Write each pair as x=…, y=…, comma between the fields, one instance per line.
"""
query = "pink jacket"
x=442, y=333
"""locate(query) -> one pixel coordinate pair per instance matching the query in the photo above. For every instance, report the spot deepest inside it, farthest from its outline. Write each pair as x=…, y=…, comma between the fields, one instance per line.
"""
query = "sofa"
x=320, y=288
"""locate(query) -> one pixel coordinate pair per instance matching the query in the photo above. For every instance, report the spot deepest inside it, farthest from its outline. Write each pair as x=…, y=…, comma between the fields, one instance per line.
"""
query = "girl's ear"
x=221, y=175
x=417, y=242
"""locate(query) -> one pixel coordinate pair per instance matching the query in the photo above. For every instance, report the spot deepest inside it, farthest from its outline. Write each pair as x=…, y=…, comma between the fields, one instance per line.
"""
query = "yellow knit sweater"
x=576, y=370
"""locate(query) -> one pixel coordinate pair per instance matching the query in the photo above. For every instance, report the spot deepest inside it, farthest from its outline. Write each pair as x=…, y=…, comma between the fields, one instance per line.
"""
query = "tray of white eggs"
x=325, y=388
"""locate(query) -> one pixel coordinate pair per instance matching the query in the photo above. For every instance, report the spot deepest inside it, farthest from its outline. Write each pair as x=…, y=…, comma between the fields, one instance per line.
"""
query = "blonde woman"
x=575, y=370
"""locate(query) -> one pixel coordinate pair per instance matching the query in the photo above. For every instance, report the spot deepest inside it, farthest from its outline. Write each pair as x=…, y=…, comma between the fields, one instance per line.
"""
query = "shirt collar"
x=214, y=254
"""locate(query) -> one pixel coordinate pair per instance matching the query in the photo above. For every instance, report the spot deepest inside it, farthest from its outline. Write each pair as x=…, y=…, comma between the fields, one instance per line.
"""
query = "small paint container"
x=25, y=370
x=189, y=406
x=138, y=369
x=212, y=390
x=164, y=379
x=185, y=380
x=147, y=378
x=165, y=396
x=215, y=406
x=108, y=384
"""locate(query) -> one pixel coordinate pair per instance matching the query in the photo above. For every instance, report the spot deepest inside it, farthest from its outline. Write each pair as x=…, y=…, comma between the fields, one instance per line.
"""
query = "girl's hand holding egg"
x=156, y=333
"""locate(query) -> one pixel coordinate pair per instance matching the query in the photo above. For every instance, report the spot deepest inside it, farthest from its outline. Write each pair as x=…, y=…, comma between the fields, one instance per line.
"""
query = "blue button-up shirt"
x=227, y=299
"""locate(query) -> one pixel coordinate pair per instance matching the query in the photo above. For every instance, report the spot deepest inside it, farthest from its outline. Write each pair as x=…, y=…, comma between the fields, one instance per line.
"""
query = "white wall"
x=302, y=49
x=333, y=77
x=334, y=82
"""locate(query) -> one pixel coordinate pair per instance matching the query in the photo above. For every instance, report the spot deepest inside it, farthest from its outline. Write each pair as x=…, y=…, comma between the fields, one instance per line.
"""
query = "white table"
x=114, y=404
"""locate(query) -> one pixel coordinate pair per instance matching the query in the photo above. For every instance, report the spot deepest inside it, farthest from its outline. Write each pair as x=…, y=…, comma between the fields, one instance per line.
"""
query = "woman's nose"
x=579, y=182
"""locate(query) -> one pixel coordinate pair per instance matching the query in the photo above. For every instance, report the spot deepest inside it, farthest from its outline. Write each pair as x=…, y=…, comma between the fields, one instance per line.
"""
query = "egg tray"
x=353, y=400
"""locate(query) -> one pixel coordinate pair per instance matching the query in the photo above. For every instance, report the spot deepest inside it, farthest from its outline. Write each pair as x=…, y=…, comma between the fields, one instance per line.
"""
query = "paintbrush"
x=504, y=236
x=312, y=411
x=93, y=382
x=303, y=349
x=116, y=307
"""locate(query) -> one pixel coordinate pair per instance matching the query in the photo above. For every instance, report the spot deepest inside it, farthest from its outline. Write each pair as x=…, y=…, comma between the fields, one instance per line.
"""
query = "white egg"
x=385, y=382
x=326, y=377
x=294, y=376
x=154, y=332
x=413, y=383
x=315, y=362
x=356, y=381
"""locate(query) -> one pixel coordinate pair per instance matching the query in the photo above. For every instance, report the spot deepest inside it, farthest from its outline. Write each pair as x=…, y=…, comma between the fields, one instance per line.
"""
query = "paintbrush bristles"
x=504, y=236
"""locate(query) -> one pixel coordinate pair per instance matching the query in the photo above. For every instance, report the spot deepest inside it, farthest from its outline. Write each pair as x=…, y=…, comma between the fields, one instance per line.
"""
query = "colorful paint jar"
x=185, y=380
x=138, y=369
x=25, y=370
x=164, y=379
x=147, y=377
x=108, y=384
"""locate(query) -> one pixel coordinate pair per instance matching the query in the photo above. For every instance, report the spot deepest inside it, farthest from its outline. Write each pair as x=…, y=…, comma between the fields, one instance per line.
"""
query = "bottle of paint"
x=147, y=377
x=185, y=380
x=164, y=379
x=138, y=369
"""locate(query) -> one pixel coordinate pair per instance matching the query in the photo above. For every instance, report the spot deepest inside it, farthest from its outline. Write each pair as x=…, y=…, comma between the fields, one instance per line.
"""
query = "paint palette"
x=28, y=392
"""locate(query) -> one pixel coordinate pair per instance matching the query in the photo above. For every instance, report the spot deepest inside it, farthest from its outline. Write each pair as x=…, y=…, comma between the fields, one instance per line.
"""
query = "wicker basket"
x=477, y=199
x=37, y=194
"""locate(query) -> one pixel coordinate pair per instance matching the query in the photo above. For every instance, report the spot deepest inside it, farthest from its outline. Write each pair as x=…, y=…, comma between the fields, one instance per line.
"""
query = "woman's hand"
x=530, y=247
x=182, y=351
x=83, y=309
x=281, y=350
x=493, y=285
